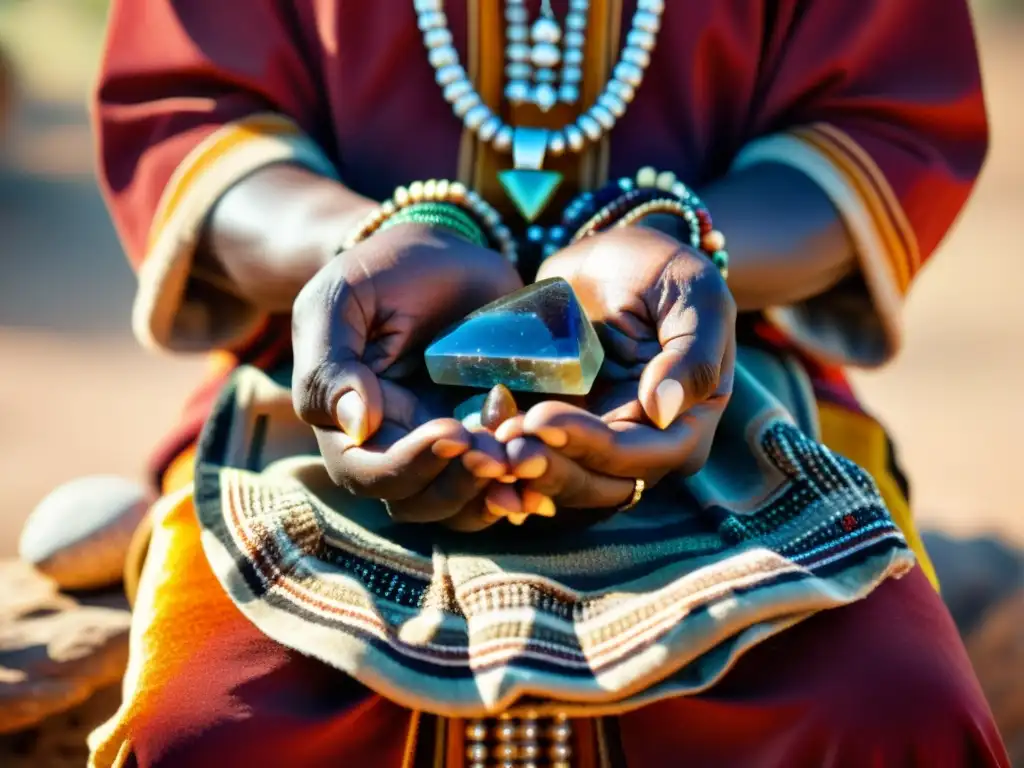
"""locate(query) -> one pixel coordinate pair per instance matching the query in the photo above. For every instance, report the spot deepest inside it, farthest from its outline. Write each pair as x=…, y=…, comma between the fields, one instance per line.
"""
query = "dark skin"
x=361, y=321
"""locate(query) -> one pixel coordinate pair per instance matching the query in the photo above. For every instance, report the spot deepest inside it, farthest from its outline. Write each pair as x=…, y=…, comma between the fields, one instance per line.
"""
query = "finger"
x=504, y=501
x=694, y=331
x=486, y=457
x=567, y=483
x=444, y=497
x=510, y=429
x=331, y=386
x=621, y=449
x=395, y=464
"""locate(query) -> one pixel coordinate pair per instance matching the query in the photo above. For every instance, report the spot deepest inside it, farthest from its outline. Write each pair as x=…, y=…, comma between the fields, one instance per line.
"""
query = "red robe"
x=877, y=100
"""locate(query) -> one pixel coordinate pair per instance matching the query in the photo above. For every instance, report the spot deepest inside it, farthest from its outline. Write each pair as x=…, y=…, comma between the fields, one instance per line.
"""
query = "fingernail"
x=508, y=479
x=553, y=436
x=351, y=414
x=482, y=465
x=449, y=449
x=668, y=402
x=538, y=504
x=494, y=509
x=518, y=518
x=532, y=468
x=508, y=431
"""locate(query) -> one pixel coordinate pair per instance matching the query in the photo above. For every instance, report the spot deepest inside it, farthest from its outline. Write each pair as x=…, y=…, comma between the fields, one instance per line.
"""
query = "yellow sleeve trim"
x=165, y=315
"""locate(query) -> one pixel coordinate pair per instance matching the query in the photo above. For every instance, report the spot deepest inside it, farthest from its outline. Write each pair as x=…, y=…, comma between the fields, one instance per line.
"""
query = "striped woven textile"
x=653, y=603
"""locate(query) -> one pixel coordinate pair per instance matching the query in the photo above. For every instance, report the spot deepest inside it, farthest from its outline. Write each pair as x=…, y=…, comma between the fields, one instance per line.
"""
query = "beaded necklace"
x=529, y=186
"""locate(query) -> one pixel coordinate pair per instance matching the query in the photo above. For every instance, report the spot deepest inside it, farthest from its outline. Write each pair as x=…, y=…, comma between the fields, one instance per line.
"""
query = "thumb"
x=685, y=372
x=341, y=394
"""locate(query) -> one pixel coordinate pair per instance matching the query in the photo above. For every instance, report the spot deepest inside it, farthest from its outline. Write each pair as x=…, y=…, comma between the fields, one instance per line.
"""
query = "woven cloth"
x=656, y=602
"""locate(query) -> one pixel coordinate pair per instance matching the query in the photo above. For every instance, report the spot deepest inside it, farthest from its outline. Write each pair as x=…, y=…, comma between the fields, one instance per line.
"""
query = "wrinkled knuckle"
x=703, y=380
x=312, y=391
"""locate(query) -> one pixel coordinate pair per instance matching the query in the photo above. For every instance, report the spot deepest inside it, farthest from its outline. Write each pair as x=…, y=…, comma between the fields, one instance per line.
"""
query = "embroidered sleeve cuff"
x=176, y=308
x=859, y=322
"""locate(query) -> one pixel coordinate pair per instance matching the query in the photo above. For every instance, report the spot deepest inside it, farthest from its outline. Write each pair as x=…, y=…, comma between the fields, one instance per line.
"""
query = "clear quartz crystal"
x=537, y=339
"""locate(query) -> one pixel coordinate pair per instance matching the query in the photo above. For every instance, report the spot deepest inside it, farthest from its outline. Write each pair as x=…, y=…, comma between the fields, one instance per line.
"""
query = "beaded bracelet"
x=441, y=216
x=441, y=191
x=634, y=199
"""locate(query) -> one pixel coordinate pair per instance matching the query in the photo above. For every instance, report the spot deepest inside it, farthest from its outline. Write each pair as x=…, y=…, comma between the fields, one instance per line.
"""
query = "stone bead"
x=572, y=75
x=518, y=70
x=637, y=56
x=503, y=140
x=445, y=56
x=575, y=39
x=590, y=127
x=568, y=93
x=556, y=144
x=560, y=751
x=423, y=6
x=477, y=752
x=576, y=22
x=624, y=91
x=545, y=30
x=575, y=138
x=430, y=189
x=450, y=74
x=646, y=177
x=516, y=13
x=517, y=52
x=416, y=191
x=573, y=57
x=490, y=128
x=437, y=37
x=629, y=73
x=666, y=180
x=545, y=76
x=535, y=234
x=545, y=55
x=652, y=6
x=501, y=405
x=517, y=91
x=455, y=91
x=713, y=241
x=401, y=197
x=545, y=97
x=603, y=116
x=476, y=117
x=465, y=103
x=641, y=38
x=79, y=534
x=612, y=103
x=517, y=33
x=432, y=20
x=647, y=21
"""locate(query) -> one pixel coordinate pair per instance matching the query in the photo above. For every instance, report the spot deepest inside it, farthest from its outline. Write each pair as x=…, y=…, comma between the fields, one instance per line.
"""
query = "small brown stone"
x=499, y=407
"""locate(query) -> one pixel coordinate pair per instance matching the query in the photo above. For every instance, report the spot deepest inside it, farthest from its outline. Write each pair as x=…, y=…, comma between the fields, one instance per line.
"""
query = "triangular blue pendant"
x=530, y=190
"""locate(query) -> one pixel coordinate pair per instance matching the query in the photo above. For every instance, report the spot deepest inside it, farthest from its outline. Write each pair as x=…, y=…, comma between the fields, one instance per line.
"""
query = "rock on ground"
x=996, y=649
x=55, y=652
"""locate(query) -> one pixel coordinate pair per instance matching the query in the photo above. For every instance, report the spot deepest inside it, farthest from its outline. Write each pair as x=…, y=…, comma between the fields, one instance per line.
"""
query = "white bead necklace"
x=538, y=60
x=529, y=186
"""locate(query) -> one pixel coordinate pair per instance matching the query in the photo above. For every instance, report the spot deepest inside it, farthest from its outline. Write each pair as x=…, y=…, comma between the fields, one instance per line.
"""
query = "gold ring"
x=638, y=491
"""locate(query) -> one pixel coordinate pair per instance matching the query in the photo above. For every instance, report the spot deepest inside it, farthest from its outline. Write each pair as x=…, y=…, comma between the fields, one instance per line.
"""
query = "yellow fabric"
x=862, y=440
x=179, y=603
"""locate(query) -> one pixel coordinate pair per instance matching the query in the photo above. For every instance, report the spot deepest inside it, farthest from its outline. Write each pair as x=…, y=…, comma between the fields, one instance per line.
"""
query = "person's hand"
x=667, y=322
x=358, y=327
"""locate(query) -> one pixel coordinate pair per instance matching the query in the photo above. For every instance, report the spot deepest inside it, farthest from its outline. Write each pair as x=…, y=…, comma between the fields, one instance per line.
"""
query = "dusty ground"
x=76, y=396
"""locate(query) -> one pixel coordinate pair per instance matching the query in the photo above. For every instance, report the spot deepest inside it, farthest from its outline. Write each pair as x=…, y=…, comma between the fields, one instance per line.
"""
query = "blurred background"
x=78, y=397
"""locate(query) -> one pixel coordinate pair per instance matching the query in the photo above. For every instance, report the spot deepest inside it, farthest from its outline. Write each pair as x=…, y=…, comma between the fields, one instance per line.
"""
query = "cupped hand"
x=667, y=322
x=359, y=327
